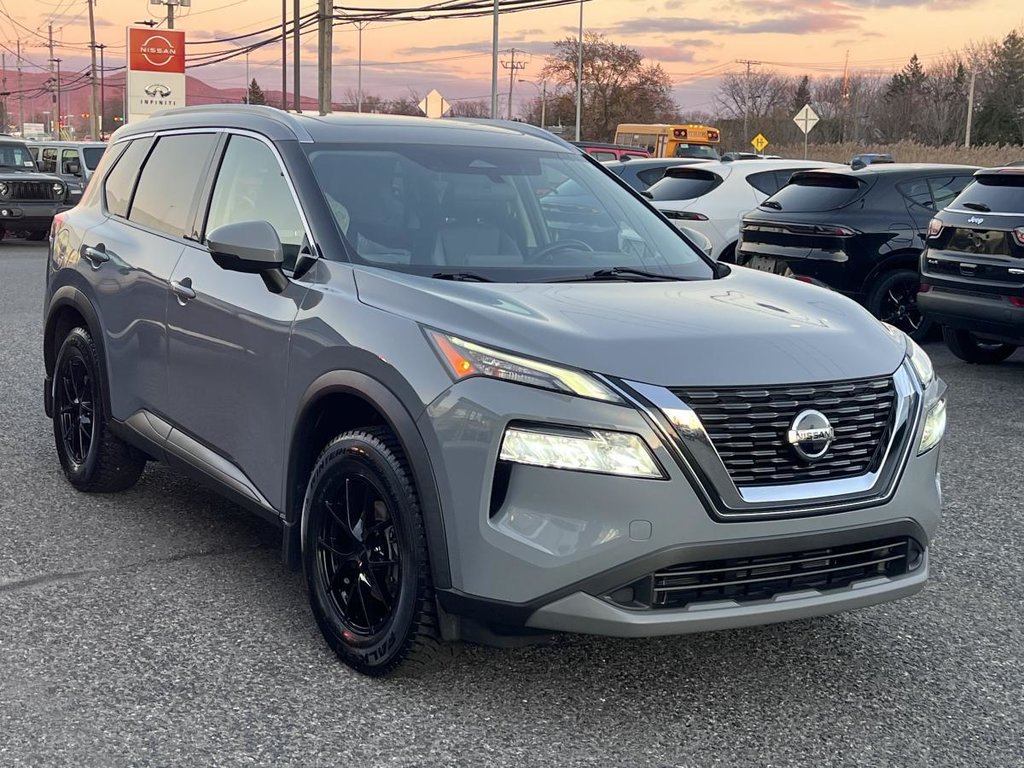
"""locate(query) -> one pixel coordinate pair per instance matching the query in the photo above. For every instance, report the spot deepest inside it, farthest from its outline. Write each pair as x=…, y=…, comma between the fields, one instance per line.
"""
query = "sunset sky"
x=695, y=41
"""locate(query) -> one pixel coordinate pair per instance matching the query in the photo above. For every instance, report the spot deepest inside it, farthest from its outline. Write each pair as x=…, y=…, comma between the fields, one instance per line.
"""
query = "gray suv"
x=478, y=411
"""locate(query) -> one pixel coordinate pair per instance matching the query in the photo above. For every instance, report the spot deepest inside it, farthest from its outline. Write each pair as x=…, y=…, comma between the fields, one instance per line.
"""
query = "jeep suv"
x=73, y=161
x=972, y=272
x=473, y=414
x=28, y=199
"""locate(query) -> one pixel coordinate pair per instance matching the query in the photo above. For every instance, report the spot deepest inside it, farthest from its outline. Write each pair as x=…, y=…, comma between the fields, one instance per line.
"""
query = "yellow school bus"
x=663, y=140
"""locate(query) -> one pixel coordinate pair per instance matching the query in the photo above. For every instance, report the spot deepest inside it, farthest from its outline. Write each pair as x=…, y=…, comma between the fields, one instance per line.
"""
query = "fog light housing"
x=934, y=427
x=582, y=450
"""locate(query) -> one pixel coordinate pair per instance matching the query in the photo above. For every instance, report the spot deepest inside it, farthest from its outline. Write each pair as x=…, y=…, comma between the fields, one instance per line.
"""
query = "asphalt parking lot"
x=158, y=626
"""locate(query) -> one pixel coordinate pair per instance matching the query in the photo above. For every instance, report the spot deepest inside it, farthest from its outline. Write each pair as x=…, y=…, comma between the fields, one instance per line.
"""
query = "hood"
x=746, y=328
x=17, y=174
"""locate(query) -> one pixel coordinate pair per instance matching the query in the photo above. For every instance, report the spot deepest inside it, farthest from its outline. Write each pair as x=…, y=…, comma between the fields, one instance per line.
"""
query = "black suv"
x=972, y=272
x=28, y=199
x=858, y=232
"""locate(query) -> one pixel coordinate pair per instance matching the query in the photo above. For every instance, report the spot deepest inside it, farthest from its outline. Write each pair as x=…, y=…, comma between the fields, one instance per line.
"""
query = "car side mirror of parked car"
x=72, y=168
x=252, y=247
x=699, y=239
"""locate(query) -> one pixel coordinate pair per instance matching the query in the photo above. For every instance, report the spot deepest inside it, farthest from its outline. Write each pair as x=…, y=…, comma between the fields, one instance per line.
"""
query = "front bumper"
x=985, y=314
x=30, y=216
x=543, y=548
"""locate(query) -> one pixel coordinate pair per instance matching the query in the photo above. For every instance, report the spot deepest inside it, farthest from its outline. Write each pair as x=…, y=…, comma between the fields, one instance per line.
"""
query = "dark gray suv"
x=476, y=410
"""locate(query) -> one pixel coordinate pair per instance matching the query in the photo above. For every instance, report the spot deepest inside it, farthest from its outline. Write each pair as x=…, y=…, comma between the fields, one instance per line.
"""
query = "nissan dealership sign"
x=156, y=71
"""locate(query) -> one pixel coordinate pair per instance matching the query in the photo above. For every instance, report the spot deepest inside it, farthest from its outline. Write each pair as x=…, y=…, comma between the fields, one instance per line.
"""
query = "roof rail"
x=279, y=116
x=524, y=128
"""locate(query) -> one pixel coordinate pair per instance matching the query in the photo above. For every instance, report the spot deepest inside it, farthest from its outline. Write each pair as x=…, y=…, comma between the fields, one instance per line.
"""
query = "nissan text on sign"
x=156, y=71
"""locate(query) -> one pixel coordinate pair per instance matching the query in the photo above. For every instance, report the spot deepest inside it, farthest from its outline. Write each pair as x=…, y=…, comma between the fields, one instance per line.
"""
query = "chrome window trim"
x=684, y=434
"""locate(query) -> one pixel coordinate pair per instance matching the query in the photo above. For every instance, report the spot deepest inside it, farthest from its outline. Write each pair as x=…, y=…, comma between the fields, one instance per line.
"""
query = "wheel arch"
x=906, y=258
x=69, y=308
x=346, y=399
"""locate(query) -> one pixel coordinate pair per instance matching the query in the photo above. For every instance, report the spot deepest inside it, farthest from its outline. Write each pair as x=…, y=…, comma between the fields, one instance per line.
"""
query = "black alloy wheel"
x=74, y=407
x=357, y=553
x=365, y=556
x=893, y=300
x=92, y=457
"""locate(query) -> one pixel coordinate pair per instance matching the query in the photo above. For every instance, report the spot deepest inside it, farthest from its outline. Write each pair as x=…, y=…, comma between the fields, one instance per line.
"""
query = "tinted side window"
x=48, y=160
x=603, y=156
x=765, y=182
x=250, y=187
x=169, y=182
x=120, y=182
x=917, y=192
x=650, y=176
x=685, y=184
x=945, y=188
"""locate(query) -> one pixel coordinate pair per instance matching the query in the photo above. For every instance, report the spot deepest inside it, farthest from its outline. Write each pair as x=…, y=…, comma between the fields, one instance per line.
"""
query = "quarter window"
x=120, y=182
x=169, y=182
x=945, y=188
x=765, y=182
x=250, y=187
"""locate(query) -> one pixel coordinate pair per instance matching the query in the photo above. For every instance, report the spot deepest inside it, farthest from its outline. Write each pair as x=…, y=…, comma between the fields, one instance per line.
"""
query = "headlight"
x=585, y=450
x=4, y=189
x=921, y=362
x=466, y=358
x=58, y=189
x=934, y=427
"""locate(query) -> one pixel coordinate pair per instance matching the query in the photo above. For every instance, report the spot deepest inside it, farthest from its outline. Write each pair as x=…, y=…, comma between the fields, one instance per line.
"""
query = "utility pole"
x=59, y=118
x=746, y=97
x=325, y=37
x=284, y=54
x=970, y=111
x=103, y=88
x=170, y=8
x=21, y=96
x=360, y=25
x=296, y=55
x=3, y=90
x=54, y=105
x=579, y=81
x=93, y=94
x=494, y=63
x=513, y=67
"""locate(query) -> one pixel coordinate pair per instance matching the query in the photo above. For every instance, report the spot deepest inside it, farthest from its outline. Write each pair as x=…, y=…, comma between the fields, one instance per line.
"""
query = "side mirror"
x=699, y=239
x=647, y=194
x=252, y=247
x=72, y=168
x=856, y=165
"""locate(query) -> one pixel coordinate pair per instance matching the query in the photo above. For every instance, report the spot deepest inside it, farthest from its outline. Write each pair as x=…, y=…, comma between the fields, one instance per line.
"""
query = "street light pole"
x=360, y=25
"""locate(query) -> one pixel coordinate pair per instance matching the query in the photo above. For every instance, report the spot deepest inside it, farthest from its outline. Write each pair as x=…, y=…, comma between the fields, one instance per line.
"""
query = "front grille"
x=746, y=579
x=748, y=428
x=32, y=190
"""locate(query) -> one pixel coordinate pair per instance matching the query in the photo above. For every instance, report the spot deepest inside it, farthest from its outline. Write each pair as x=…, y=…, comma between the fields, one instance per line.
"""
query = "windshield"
x=808, y=192
x=684, y=184
x=93, y=155
x=16, y=156
x=701, y=151
x=1002, y=193
x=508, y=215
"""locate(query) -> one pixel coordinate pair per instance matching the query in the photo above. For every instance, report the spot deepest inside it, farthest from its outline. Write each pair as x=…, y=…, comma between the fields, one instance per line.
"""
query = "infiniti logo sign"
x=811, y=435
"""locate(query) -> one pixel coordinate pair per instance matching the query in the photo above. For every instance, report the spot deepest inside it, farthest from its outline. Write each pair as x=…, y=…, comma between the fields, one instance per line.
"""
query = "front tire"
x=893, y=299
x=365, y=556
x=93, y=458
x=971, y=349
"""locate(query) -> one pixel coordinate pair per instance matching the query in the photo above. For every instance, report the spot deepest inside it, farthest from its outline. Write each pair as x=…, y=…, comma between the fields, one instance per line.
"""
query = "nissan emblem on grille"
x=810, y=435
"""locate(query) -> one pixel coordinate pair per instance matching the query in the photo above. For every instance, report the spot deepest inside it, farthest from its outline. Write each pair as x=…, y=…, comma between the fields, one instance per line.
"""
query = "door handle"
x=183, y=290
x=95, y=255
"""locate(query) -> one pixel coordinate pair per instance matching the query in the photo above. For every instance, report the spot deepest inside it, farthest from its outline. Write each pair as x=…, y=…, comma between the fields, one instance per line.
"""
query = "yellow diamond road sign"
x=759, y=142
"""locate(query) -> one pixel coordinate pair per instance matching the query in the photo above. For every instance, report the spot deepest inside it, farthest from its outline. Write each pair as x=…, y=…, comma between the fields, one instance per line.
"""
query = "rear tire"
x=365, y=557
x=92, y=457
x=971, y=349
x=893, y=299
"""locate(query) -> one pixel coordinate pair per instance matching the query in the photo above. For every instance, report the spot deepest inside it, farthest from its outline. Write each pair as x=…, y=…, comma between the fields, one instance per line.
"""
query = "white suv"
x=712, y=197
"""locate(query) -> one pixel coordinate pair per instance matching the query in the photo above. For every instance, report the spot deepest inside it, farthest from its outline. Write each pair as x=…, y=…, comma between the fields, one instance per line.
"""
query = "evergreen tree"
x=255, y=95
x=1000, y=114
x=802, y=95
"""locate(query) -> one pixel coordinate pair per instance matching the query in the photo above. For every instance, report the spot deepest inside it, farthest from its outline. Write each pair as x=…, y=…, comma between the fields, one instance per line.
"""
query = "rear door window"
x=68, y=160
x=48, y=160
x=120, y=182
x=809, y=192
x=918, y=192
x=1001, y=192
x=170, y=181
x=92, y=156
x=685, y=184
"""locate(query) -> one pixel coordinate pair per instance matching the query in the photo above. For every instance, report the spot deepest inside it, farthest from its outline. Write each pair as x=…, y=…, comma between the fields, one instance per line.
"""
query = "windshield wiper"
x=620, y=273
x=978, y=207
x=772, y=204
x=462, y=277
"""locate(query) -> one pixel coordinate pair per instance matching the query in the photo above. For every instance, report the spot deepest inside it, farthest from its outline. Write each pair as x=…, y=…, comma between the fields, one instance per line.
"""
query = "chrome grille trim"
x=686, y=436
